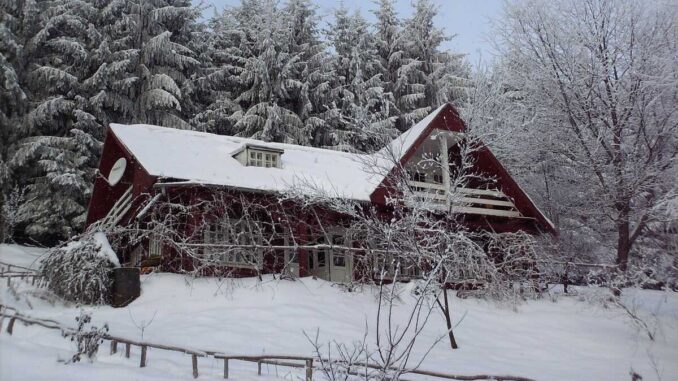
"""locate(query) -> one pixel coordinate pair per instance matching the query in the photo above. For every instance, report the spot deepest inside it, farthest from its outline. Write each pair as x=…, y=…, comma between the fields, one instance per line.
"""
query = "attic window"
x=260, y=156
x=263, y=159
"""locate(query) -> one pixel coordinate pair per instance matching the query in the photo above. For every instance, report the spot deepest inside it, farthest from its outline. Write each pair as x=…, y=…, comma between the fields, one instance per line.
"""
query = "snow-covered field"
x=565, y=339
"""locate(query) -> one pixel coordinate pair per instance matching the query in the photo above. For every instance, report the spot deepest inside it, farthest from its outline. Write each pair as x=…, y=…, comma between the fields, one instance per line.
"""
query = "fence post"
x=194, y=359
x=10, y=326
x=309, y=369
x=566, y=278
x=127, y=349
x=143, y=357
x=114, y=346
x=225, y=368
x=259, y=367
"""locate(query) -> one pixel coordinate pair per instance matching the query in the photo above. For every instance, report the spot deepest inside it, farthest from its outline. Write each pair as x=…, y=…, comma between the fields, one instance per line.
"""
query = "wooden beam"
x=142, y=364
x=194, y=361
x=483, y=192
x=309, y=370
x=10, y=326
x=445, y=166
x=486, y=212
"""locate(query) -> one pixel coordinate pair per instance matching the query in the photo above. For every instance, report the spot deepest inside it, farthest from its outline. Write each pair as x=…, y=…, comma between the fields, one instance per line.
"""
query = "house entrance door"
x=340, y=267
x=317, y=264
x=317, y=261
x=331, y=264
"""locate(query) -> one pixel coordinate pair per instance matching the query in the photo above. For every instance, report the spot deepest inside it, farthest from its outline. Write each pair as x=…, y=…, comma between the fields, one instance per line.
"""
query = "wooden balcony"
x=465, y=200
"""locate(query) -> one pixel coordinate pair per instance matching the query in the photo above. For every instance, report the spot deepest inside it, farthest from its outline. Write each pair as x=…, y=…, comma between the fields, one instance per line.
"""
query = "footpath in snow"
x=556, y=338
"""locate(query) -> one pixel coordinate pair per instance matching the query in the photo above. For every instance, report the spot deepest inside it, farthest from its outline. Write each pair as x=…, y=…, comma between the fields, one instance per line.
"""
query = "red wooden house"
x=142, y=164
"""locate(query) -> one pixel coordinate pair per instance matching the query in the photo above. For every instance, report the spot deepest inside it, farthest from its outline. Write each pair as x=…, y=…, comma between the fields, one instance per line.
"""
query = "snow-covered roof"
x=204, y=158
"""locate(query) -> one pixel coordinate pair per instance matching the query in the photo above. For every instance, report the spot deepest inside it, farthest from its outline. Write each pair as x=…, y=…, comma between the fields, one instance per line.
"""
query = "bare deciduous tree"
x=598, y=80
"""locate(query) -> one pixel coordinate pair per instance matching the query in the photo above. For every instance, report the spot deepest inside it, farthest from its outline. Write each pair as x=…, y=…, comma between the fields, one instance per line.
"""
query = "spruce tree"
x=148, y=62
x=390, y=49
x=429, y=76
x=216, y=84
x=267, y=73
x=358, y=88
x=18, y=22
x=311, y=103
x=53, y=162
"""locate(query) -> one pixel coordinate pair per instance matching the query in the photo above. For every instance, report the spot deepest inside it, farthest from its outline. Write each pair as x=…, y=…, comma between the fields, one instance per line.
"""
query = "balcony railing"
x=465, y=200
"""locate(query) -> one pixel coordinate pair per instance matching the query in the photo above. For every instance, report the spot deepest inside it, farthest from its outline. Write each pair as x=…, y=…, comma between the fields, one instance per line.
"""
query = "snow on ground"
x=569, y=339
x=21, y=255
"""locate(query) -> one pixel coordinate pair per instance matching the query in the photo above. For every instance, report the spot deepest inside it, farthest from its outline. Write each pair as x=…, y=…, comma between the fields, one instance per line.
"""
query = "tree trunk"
x=448, y=320
x=623, y=246
x=623, y=249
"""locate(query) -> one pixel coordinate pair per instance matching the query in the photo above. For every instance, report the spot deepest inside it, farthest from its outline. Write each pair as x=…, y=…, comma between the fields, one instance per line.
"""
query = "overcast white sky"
x=467, y=19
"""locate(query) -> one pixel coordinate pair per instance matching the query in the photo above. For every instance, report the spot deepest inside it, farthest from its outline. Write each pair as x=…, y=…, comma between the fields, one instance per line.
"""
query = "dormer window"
x=262, y=159
x=259, y=156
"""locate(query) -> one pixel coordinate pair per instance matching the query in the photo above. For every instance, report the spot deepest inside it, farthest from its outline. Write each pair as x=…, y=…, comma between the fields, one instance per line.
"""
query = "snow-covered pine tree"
x=313, y=103
x=13, y=97
x=56, y=179
x=357, y=89
x=429, y=76
x=390, y=48
x=148, y=62
x=228, y=41
x=268, y=75
x=56, y=151
x=216, y=85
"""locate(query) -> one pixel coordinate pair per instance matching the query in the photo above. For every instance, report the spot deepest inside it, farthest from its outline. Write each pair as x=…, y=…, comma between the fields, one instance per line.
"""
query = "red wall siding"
x=103, y=195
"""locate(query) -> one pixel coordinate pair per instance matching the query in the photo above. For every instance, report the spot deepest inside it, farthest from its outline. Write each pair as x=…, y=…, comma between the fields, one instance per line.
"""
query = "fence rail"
x=7, y=267
x=9, y=275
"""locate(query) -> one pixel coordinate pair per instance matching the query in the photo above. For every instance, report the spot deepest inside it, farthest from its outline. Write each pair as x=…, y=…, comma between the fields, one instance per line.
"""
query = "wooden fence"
x=10, y=271
x=304, y=362
x=307, y=362
x=7, y=267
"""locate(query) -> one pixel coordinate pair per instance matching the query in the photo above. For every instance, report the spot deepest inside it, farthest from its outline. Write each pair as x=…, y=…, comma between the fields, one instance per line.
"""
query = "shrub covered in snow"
x=87, y=338
x=80, y=271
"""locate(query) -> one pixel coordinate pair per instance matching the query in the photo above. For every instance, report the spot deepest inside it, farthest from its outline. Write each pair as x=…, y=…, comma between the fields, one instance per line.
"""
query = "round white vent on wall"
x=117, y=171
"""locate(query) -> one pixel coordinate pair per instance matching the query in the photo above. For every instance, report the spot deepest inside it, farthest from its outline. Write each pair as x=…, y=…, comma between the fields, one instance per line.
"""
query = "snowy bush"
x=80, y=271
x=87, y=337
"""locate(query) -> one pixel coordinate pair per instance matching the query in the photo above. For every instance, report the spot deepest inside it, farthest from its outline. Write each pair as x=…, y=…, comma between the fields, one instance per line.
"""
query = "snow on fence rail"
x=278, y=360
x=10, y=271
x=7, y=267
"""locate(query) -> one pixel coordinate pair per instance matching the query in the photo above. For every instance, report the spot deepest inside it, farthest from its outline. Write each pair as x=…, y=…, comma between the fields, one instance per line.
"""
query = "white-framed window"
x=233, y=244
x=391, y=263
x=257, y=158
x=154, y=246
x=418, y=176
